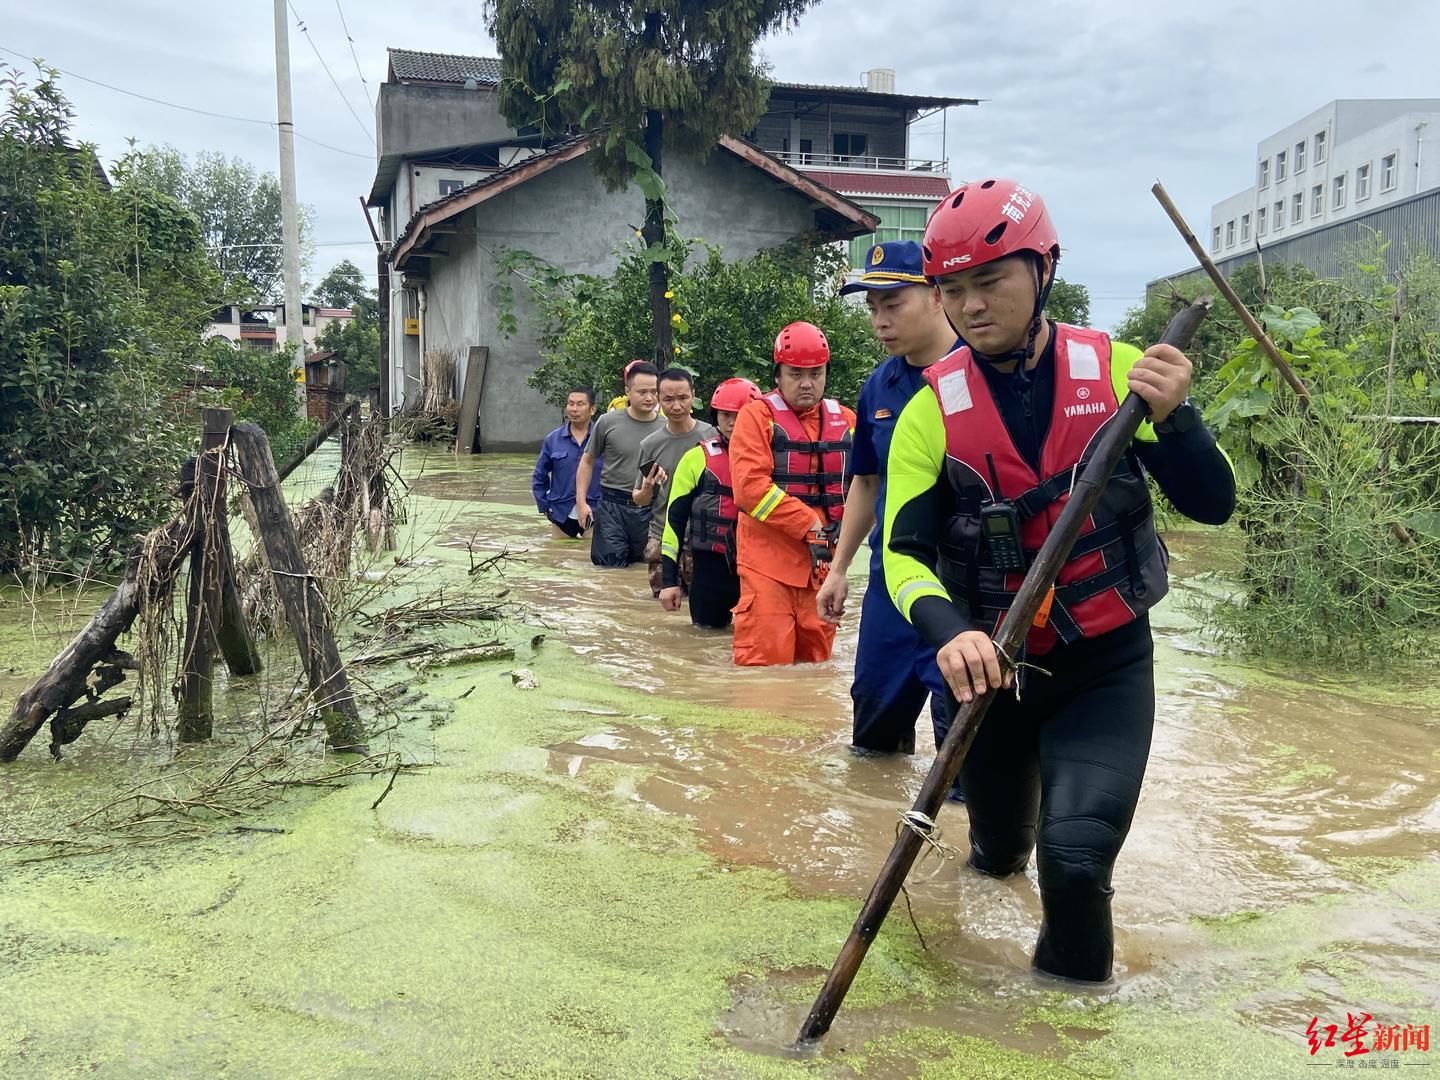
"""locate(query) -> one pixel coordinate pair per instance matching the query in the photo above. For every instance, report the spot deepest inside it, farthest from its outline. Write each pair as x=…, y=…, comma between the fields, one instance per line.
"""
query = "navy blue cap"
x=895, y=264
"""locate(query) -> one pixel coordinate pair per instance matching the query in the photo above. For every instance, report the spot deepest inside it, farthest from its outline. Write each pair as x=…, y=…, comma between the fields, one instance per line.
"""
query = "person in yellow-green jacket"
x=981, y=465
x=700, y=517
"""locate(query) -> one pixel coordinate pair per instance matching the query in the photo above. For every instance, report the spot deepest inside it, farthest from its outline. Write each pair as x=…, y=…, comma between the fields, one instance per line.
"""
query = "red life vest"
x=712, y=508
x=1117, y=569
x=814, y=472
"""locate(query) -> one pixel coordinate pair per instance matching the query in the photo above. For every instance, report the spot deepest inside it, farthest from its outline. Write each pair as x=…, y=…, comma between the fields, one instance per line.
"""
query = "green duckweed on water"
x=495, y=916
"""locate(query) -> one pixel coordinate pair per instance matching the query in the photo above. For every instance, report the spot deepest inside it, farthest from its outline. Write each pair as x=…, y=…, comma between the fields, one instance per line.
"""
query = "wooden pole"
x=194, y=714
x=314, y=442
x=1085, y=493
x=1251, y=324
x=304, y=604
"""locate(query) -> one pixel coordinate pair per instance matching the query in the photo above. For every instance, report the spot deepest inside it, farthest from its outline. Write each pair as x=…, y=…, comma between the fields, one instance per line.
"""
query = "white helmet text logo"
x=958, y=260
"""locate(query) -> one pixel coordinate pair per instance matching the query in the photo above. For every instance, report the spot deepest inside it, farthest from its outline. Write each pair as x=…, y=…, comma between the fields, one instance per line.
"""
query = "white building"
x=255, y=326
x=1347, y=159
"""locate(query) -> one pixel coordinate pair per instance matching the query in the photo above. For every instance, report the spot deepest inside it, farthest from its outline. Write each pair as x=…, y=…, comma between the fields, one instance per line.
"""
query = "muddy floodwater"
x=644, y=867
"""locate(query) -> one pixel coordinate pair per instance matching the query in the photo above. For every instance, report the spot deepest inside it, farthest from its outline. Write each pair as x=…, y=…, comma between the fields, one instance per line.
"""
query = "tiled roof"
x=407, y=65
x=882, y=183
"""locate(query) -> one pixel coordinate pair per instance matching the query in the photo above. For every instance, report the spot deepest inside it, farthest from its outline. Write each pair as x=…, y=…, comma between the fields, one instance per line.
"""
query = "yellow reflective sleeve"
x=766, y=506
x=686, y=479
x=917, y=457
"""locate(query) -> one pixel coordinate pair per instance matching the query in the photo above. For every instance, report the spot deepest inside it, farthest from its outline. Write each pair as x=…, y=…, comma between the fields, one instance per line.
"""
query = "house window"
x=449, y=187
x=1319, y=147
x=807, y=148
x=1362, y=182
x=1260, y=222
x=1317, y=200
x=897, y=222
x=1264, y=174
x=1300, y=156
x=1388, y=171
x=1279, y=216
x=1230, y=233
x=1215, y=239
x=1279, y=165
x=848, y=145
x=1337, y=192
x=1297, y=208
x=1244, y=228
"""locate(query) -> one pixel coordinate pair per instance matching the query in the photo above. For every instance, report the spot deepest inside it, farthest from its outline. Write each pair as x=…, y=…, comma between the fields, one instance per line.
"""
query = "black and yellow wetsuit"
x=1059, y=771
x=714, y=585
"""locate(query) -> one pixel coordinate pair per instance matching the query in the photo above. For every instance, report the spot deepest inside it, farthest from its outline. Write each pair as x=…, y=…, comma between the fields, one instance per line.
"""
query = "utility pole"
x=290, y=211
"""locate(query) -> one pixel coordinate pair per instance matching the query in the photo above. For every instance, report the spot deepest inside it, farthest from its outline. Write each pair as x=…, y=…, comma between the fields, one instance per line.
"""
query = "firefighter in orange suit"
x=788, y=456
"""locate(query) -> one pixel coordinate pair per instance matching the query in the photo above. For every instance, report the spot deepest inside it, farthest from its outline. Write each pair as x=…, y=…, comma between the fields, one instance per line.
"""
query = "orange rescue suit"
x=776, y=621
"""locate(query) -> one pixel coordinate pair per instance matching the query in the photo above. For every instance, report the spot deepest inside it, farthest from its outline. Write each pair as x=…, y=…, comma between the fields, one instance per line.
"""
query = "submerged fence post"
x=300, y=595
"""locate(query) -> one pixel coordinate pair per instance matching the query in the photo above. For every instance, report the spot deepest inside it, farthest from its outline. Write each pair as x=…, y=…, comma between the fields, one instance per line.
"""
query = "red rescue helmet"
x=980, y=222
x=733, y=394
x=802, y=345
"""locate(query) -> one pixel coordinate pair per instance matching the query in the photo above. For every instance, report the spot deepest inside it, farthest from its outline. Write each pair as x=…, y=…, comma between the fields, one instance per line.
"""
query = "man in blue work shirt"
x=553, y=484
x=894, y=668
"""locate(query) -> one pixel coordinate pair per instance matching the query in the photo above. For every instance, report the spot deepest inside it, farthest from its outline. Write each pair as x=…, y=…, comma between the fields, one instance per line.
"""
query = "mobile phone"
x=647, y=466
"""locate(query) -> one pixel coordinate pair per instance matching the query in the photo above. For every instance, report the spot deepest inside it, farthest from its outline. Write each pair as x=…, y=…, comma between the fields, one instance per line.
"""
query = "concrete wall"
x=414, y=119
x=567, y=218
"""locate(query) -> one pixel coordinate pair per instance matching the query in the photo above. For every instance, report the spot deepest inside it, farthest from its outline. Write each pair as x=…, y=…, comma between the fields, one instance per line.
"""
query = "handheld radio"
x=1000, y=525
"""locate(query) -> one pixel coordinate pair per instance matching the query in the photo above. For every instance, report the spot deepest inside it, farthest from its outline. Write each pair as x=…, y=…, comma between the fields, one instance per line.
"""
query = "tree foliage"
x=651, y=76
x=239, y=211
x=728, y=314
x=1340, y=508
x=356, y=342
x=93, y=329
x=344, y=286
x=1068, y=303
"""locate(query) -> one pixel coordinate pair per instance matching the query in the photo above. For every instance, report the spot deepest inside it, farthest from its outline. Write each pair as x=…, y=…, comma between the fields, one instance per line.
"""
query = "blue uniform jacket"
x=553, y=484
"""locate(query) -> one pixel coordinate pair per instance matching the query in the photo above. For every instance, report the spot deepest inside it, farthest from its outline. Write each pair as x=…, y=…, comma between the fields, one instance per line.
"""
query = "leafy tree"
x=344, y=286
x=239, y=213
x=90, y=337
x=357, y=343
x=1069, y=303
x=730, y=313
x=650, y=75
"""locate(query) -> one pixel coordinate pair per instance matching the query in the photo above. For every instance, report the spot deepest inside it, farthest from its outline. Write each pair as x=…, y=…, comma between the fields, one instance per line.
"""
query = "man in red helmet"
x=702, y=513
x=787, y=460
x=982, y=461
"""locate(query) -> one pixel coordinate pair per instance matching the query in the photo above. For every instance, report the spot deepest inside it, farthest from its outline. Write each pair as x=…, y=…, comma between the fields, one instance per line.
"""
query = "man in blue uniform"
x=894, y=669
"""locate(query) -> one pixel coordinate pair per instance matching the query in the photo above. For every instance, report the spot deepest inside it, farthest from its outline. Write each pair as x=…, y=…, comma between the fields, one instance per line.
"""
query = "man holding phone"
x=621, y=525
x=660, y=452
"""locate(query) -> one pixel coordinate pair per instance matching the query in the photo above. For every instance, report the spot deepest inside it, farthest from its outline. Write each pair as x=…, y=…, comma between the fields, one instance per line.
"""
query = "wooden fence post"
x=299, y=594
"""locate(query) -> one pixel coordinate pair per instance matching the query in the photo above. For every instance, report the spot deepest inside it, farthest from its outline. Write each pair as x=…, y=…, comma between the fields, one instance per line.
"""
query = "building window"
x=1230, y=233
x=449, y=187
x=1215, y=239
x=1337, y=192
x=1279, y=216
x=1388, y=172
x=1362, y=182
x=1319, y=147
x=1264, y=174
x=897, y=222
x=1279, y=165
x=1317, y=200
x=848, y=145
x=1260, y=222
x=1297, y=208
x=1300, y=156
x=1244, y=228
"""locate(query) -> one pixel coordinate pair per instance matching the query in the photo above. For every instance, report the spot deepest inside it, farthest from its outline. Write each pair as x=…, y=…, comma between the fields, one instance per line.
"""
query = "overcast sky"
x=1086, y=101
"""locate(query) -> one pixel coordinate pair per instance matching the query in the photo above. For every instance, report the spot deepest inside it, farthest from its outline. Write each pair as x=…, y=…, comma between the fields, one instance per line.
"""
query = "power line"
x=316, y=50
x=184, y=108
x=351, y=40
